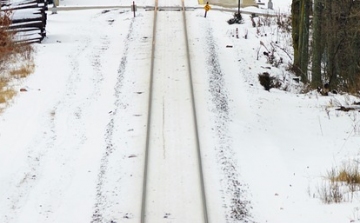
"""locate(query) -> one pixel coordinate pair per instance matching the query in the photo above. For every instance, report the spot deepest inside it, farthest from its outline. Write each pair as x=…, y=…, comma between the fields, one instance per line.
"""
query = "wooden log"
x=348, y=108
x=28, y=20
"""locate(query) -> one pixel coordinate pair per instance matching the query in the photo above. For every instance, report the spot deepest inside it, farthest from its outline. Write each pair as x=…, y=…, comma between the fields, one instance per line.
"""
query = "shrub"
x=341, y=182
x=16, y=59
x=6, y=43
x=348, y=174
x=331, y=193
x=268, y=82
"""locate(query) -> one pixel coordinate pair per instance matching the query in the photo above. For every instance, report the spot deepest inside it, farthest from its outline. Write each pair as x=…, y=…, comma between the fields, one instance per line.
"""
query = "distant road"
x=248, y=11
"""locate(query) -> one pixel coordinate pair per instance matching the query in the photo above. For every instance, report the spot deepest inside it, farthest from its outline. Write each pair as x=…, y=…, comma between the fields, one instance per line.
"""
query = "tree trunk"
x=317, y=46
x=295, y=13
x=330, y=38
x=304, y=39
x=300, y=10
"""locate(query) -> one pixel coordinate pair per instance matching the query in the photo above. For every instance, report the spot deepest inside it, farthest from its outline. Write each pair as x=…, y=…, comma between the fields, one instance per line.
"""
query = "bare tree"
x=342, y=44
x=317, y=44
x=300, y=10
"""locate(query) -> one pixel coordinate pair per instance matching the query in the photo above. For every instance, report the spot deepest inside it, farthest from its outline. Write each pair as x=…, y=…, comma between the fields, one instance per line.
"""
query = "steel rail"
x=198, y=148
x=198, y=152
x=143, y=204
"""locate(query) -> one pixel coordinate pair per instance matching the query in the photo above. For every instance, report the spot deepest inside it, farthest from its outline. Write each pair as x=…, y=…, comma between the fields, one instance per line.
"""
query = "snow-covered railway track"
x=173, y=187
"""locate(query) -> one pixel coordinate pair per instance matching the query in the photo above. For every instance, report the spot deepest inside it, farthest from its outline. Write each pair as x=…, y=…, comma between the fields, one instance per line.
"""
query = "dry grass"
x=3, y=83
x=348, y=174
x=23, y=71
x=7, y=46
x=16, y=61
x=342, y=184
x=6, y=90
x=3, y=90
x=6, y=95
x=331, y=193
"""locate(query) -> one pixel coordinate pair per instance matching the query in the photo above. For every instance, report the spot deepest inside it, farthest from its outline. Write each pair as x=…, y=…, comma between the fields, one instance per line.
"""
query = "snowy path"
x=89, y=118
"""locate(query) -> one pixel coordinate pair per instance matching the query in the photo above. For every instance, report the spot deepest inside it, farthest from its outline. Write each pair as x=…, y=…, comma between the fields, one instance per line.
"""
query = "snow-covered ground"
x=270, y=151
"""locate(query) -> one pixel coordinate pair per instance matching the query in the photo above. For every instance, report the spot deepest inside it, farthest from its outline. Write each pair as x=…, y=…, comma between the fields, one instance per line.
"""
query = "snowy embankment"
x=279, y=145
x=285, y=143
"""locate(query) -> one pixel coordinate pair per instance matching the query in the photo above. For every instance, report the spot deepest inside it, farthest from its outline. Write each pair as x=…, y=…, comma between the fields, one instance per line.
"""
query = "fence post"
x=207, y=8
x=133, y=7
x=54, y=9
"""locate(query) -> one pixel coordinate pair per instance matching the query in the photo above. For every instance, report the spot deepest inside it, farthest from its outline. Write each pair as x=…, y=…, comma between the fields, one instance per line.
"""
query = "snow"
x=26, y=13
x=71, y=147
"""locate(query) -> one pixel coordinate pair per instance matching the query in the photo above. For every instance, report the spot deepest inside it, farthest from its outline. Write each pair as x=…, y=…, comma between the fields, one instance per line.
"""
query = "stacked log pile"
x=28, y=19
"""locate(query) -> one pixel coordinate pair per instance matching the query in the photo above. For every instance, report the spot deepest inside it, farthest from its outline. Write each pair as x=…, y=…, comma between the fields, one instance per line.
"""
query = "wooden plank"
x=29, y=41
x=27, y=24
x=23, y=29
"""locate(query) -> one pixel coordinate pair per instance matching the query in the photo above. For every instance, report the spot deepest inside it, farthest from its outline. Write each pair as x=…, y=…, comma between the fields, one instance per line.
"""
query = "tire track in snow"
x=83, y=90
x=96, y=64
x=236, y=204
x=43, y=143
x=101, y=202
x=37, y=151
x=48, y=146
